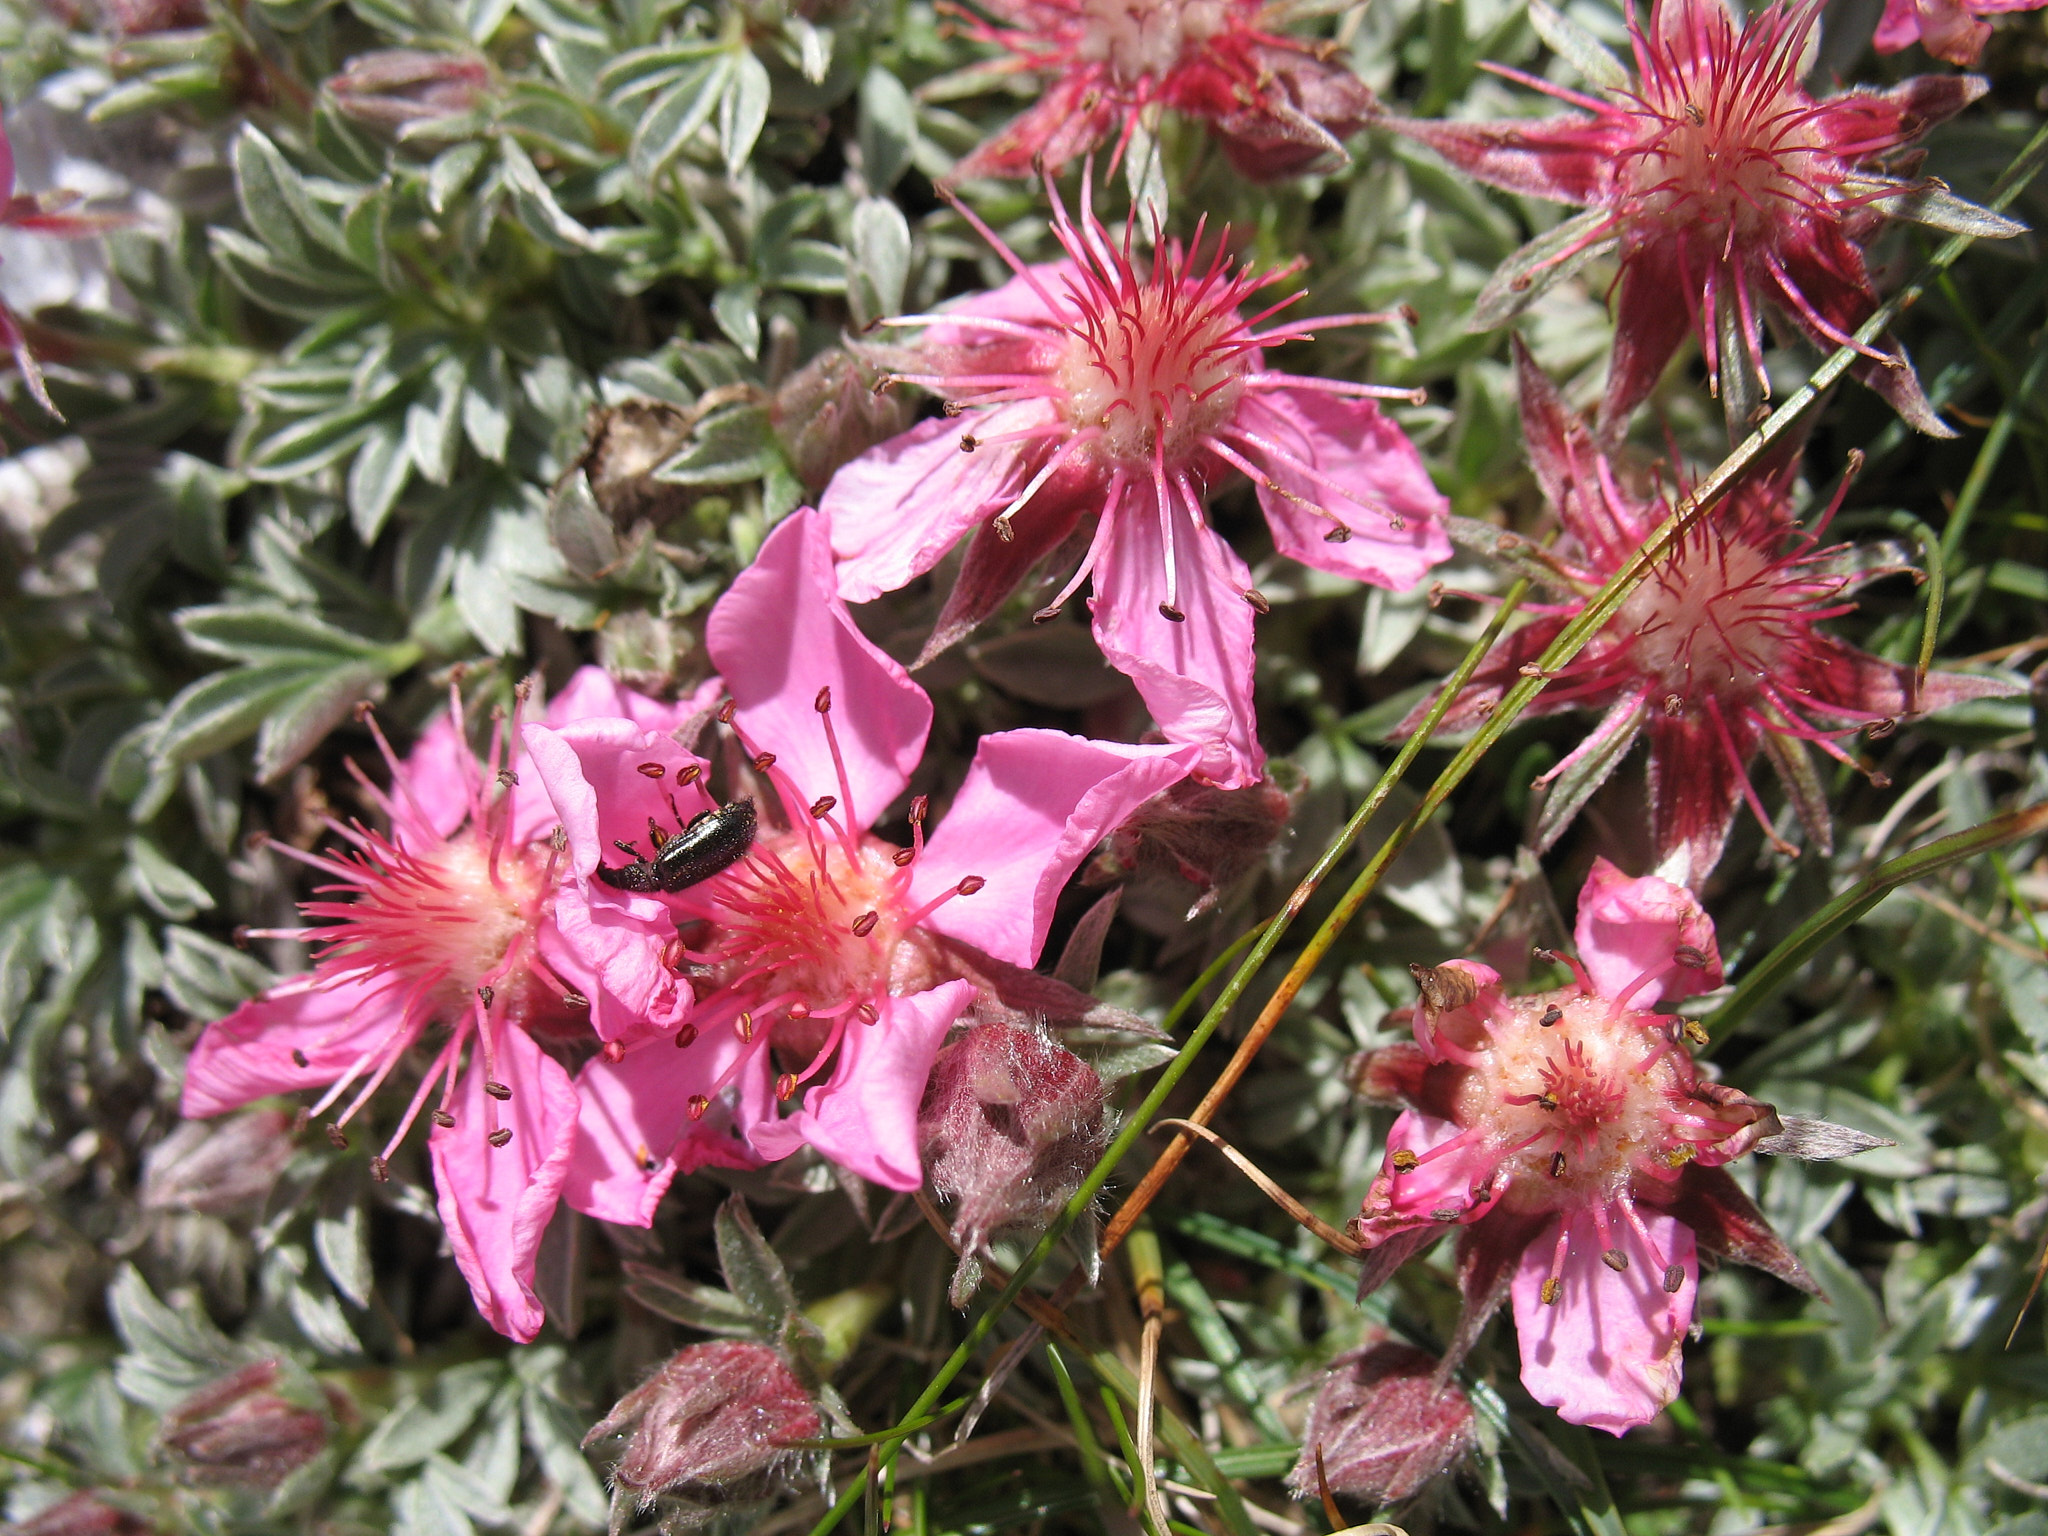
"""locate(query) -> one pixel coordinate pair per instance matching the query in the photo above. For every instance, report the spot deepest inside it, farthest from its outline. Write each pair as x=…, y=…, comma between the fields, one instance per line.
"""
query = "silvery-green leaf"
x=1145, y=173
x=881, y=260
x=536, y=204
x=753, y=1269
x=377, y=477
x=742, y=110
x=420, y=1426
x=1744, y=388
x=1571, y=41
x=888, y=130
x=674, y=115
x=486, y=405
x=1818, y=1141
x=168, y=889
x=431, y=438
x=737, y=309
x=1931, y=203
x=1586, y=768
x=450, y=173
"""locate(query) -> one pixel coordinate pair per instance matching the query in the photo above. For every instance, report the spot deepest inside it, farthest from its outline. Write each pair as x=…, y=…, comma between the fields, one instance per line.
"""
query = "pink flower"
x=449, y=940
x=1278, y=105
x=1729, y=190
x=1954, y=30
x=832, y=963
x=1716, y=656
x=1577, y=1147
x=21, y=210
x=1100, y=392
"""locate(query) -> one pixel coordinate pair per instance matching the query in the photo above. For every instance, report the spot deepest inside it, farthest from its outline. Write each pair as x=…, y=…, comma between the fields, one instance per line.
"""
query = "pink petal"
x=1899, y=27
x=593, y=692
x=1651, y=317
x=248, y=1055
x=1195, y=676
x=778, y=636
x=1033, y=806
x=496, y=1201
x=1435, y=1191
x=865, y=1118
x=1607, y=1354
x=900, y=506
x=634, y=1133
x=1631, y=928
x=1695, y=787
x=1396, y=524
x=1071, y=119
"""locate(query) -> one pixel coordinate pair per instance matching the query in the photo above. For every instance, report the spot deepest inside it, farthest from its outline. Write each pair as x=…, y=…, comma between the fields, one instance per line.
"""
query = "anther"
x=823, y=702
x=1694, y=1032
x=1878, y=729
x=1338, y=534
x=1003, y=529
x=673, y=956
x=380, y=1171
x=1674, y=705
x=498, y=1091
x=1409, y=313
x=559, y=839
x=691, y=774
x=822, y=806
x=1674, y=1278
x=240, y=936
x=651, y=770
x=764, y=762
x=443, y=1119
x=868, y=1013
x=1403, y=1160
x=507, y=778
x=919, y=806
x=727, y=710
x=1547, y=1102
x=501, y=1137
x=1260, y=603
x=1615, y=1260
x=256, y=842
x=575, y=1000
x=865, y=924
x=1553, y=1290
x=698, y=1104
x=1172, y=614
x=743, y=1026
x=1551, y=1015
x=969, y=442
x=1557, y=1165
x=902, y=856
x=1694, y=115
x=1693, y=959
x=302, y=1119
x=363, y=710
x=970, y=885
x=299, y=1058
x=338, y=1136
x=686, y=1036
x=486, y=994
x=1046, y=614
x=614, y=1051
x=1447, y=1213
x=785, y=1087
x=799, y=1009
x=1680, y=1155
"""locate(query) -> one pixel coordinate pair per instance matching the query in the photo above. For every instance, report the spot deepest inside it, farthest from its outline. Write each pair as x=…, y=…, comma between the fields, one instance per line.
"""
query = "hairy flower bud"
x=832, y=410
x=245, y=1430
x=83, y=1514
x=714, y=1424
x=396, y=89
x=1010, y=1124
x=1383, y=1426
x=217, y=1167
x=1205, y=836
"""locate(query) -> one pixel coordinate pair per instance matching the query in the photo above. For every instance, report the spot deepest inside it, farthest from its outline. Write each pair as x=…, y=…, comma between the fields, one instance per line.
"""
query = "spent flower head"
x=1729, y=190
x=1955, y=30
x=1117, y=391
x=1718, y=655
x=1578, y=1149
x=251, y=1429
x=1384, y=1422
x=829, y=962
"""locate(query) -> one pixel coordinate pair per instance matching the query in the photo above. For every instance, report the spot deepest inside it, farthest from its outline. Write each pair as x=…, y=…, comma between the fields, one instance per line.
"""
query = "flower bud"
x=244, y=1431
x=396, y=89
x=1207, y=837
x=1384, y=1426
x=1010, y=1124
x=1306, y=107
x=714, y=1424
x=216, y=1167
x=139, y=18
x=833, y=410
x=82, y=1514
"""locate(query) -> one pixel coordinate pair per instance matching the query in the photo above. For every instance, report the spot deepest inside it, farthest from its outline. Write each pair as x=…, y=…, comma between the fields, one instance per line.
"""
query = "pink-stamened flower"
x=1718, y=655
x=438, y=938
x=1276, y=104
x=1570, y=1138
x=1096, y=390
x=830, y=963
x=1729, y=190
x=1955, y=30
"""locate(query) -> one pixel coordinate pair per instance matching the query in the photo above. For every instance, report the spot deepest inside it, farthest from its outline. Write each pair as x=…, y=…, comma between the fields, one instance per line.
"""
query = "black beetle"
x=714, y=840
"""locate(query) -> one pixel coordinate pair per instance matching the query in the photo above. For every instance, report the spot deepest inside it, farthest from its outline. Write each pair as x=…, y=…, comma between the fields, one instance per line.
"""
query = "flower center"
x=1135, y=38
x=1714, y=619
x=1574, y=1105
x=1154, y=372
x=1730, y=132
